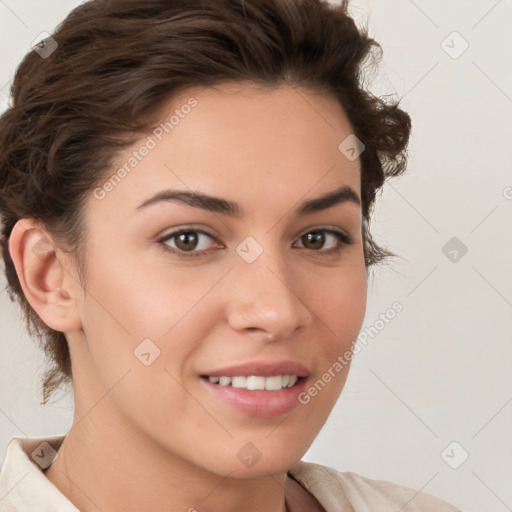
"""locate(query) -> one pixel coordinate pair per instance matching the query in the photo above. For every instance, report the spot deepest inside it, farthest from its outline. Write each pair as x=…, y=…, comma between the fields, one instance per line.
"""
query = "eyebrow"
x=344, y=194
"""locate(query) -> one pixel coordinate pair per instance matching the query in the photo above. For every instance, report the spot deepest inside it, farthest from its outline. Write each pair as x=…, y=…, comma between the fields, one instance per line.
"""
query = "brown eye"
x=315, y=240
x=186, y=241
x=183, y=241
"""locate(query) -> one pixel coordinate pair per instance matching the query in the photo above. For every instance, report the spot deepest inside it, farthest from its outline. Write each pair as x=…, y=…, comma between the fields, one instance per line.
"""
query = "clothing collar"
x=23, y=485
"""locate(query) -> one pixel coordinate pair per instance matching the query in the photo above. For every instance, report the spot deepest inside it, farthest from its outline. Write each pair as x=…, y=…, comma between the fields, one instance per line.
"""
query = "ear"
x=51, y=287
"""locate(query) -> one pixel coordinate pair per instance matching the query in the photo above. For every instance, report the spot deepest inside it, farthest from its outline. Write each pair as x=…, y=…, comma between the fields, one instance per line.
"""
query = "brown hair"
x=116, y=65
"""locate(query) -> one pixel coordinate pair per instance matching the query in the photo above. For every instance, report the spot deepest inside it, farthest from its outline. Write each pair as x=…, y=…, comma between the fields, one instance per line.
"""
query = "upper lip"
x=261, y=368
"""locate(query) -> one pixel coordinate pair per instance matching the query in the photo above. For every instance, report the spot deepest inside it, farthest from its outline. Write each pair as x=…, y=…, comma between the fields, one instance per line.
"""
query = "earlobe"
x=47, y=284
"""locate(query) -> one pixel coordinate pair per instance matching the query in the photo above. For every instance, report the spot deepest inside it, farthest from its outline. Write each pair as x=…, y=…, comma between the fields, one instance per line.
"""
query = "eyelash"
x=342, y=237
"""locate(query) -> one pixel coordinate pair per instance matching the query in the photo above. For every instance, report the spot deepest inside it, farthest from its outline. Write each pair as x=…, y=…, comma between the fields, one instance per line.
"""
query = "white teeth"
x=293, y=380
x=253, y=382
x=238, y=382
x=274, y=383
x=224, y=381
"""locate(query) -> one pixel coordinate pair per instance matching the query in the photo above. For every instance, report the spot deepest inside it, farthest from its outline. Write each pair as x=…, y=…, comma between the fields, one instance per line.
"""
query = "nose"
x=267, y=299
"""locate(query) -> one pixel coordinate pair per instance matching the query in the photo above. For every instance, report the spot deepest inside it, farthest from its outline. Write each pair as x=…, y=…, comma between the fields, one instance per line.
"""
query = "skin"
x=152, y=437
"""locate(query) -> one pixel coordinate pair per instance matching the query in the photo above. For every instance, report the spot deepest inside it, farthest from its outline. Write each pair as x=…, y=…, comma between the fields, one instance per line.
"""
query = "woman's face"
x=268, y=292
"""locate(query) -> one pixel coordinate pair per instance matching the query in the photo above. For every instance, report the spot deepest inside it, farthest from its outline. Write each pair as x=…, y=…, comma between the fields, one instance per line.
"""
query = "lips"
x=256, y=390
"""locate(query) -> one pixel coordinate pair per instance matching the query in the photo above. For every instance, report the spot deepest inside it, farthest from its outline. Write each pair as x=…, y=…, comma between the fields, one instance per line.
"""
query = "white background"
x=440, y=371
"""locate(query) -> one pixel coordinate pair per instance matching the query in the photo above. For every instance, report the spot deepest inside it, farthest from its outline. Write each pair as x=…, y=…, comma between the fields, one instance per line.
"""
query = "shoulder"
x=337, y=491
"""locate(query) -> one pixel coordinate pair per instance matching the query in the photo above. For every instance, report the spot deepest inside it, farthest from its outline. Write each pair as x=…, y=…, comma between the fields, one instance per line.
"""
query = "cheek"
x=341, y=307
x=340, y=303
x=137, y=319
x=135, y=331
x=140, y=300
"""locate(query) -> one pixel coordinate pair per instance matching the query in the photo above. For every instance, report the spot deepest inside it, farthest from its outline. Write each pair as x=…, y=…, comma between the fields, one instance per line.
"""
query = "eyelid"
x=328, y=229
x=176, y=230
x=173, y=234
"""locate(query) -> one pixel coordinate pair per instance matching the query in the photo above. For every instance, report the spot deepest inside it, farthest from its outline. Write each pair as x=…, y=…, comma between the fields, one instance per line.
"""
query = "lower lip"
x=263, y=404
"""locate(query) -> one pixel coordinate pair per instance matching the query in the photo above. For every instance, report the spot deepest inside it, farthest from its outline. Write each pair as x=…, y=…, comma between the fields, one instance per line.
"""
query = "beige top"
x=25, y=488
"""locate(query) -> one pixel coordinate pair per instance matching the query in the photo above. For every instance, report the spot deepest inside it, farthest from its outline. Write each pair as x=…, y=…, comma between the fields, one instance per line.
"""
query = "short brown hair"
x=118, y=62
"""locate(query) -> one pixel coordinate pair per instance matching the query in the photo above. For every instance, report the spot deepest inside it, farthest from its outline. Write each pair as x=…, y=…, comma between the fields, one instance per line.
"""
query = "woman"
x=185, y=196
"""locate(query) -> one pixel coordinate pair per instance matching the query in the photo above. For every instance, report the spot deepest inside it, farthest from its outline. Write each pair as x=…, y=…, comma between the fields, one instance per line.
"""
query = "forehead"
x=236, y=140
x=267, y=118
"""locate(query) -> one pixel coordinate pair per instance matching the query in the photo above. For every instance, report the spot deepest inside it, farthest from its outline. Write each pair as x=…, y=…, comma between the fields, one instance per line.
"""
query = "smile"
x=254, y=382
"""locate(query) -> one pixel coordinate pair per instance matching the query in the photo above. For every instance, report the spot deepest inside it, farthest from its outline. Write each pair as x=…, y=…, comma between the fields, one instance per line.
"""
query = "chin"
x=261, y=458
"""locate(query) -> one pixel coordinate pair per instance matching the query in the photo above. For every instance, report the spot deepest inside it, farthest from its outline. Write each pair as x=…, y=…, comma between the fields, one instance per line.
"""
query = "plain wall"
x=438, y=372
